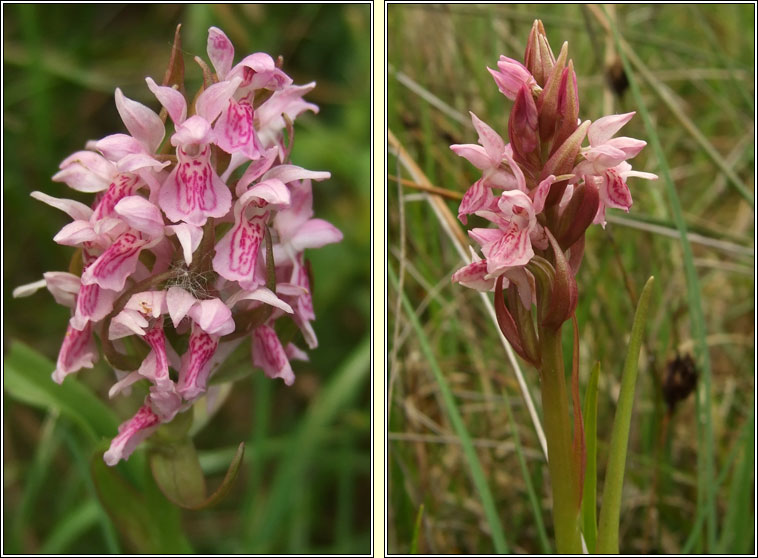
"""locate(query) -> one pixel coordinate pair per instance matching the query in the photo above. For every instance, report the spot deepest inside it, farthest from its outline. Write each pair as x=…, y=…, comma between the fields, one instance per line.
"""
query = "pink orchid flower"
x=606, y=151
x=510, y=76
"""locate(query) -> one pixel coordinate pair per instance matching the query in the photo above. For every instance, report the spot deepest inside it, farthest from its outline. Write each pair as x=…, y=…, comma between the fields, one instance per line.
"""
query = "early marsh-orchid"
x=541, y=191
x=196, y=240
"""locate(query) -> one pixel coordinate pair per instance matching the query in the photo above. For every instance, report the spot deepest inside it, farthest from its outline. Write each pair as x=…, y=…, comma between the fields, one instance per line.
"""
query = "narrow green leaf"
x=335, y=396
x=533, y=499
x=705, y=456
x=27, y=378
x=417, y=529
x=74, y=524
x=608, y=528
x=737, y=536
x=229, y=478
x=472, y=459
x=146, y=525
x=589, y=499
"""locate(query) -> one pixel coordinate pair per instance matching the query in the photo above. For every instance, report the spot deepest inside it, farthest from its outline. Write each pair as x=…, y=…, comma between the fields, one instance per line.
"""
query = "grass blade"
x=475, y=467
x=533, y=499
x=608, y=528
x=706, y=472
x=76, y=522
x=589, y=498
x=27, y=378
x=417, y=529
x=338, y=393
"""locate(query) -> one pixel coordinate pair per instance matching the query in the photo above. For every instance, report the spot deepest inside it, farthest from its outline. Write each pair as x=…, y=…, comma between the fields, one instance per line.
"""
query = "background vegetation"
x=305, y=482
x=689, y=483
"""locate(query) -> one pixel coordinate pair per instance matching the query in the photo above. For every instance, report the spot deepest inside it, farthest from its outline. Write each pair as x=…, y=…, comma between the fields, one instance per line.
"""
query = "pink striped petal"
x=111, y=269
x=130, y=434
x=92, y=305
x=237, y=252
x=477, y=197
x=142, y=122
x=77, y=351
x=539, y=194
x=155, y=365
x=259, y=71
x=220, y=51
x=235, y=132
x=614, y=192
x=269, y=355
x=513, y=248
x=261, y=294
x=124, y=184
x=193, y=191
x=196, y=364
x=271, y=191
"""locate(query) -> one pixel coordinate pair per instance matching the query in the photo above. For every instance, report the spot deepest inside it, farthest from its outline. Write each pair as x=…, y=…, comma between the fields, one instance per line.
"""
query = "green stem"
x=558, y=434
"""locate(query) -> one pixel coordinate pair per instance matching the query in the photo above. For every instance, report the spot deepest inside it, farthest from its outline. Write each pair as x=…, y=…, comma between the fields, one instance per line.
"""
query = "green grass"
x=62, y=64
x=691, y=70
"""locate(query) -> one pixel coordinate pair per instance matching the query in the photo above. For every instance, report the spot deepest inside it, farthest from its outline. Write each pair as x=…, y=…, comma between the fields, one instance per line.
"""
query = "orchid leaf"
x=147, y=526
x=26, y=377
x=589, y=499
x=177, y=472
x=608, y=526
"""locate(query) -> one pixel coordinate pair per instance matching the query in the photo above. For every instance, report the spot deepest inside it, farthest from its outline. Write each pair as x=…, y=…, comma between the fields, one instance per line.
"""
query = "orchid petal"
x=269, y=355
x=212, y=101
x=489, y=139
x=315, y=233
x=130, y=434
x=142, y=122
x=212, y=316
x=235, y=132
x=178, y=302
x=603, y=129
x=196, y=364
x=220, y=51
x=474, y=154
x=92, y=305
x=237, y=251
x=189, y=237
x=111, y=269
x=193, y=191
x=77, y=351
x=173, y=100
x=74, y=209
x=141, y=215
x=261, y=294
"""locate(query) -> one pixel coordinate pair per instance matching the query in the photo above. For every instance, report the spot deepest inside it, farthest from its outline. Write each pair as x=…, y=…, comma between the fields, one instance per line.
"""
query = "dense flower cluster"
x=183, y=246
x=543, y=189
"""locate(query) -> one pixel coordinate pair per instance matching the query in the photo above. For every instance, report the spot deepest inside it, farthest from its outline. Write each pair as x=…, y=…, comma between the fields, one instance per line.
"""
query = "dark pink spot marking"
x=86, y=301
x=201, y=349
x=124, y=184
x=74, y=343
x=125, y=247
x=239, y=125
x=157, y=341
x=194, y=181
x=245, y=242
x=272, y=348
